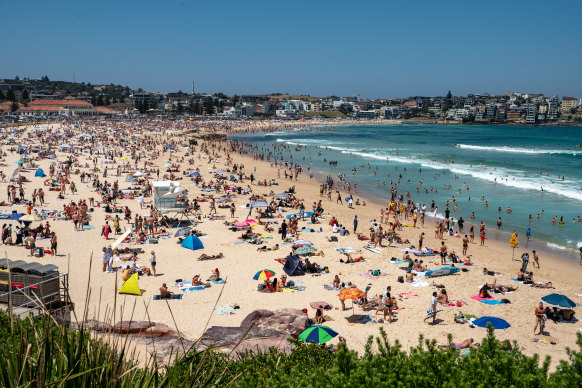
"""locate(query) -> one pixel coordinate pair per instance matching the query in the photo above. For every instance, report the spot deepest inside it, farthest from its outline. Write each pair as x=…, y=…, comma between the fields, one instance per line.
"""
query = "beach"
x=80, y=251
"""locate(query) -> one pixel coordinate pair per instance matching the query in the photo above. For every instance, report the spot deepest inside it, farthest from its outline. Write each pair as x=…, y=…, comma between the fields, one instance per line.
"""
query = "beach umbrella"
x=302, y=242
x=195, y=173
x=351, y=293
x=16, y=217
x=497, y=323
x=182, y=231
x=317, y=334
x=138, y=174
x=124, y=158
x=30, y=217
x=281, y=195
x=559, y=300
x=304, y=250
x=264, y=274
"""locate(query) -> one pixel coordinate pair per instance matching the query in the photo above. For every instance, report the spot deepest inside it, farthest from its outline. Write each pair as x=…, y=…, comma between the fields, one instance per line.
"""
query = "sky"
x=374, y=48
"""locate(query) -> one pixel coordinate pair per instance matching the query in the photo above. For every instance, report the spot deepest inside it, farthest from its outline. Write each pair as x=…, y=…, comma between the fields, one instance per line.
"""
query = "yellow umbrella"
x=30, y=217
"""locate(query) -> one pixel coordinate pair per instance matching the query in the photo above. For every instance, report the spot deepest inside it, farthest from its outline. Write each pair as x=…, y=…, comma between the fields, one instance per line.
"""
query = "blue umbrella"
x=16, y=217
x=497, y=323
x=195, y=173
x=559, y=300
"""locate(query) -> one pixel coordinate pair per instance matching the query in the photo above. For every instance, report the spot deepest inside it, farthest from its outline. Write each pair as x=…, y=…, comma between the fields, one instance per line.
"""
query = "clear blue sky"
x=375, y=48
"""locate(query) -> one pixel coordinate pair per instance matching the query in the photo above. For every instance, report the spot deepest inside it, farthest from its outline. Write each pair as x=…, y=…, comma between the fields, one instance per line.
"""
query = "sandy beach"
x=192, y=314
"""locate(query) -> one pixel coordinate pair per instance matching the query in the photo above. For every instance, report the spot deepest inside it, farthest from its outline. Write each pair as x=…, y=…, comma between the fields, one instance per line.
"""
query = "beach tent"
x=559, y=300
x=129, y=178
x=39, y=173
x=192, y=242
x=130, y=286
x=293, y=266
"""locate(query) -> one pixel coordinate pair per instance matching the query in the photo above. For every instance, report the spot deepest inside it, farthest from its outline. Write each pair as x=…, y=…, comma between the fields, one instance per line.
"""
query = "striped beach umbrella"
x=264, y=274
x=317, y=334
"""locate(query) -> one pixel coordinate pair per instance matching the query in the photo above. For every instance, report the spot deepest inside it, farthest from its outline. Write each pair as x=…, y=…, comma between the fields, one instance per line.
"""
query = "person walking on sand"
x=540, y=313
x=443, y=252
x=106, y=230
x=153, y=263
x=355, y=224
x=536, y=258
x=54, y=243
x=283, y=230
x=432, y=311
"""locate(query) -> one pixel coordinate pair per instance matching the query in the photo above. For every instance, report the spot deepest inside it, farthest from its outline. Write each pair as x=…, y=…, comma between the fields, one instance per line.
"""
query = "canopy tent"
x=39, y=173
x=130, y=286
x=192, y=242
x=293, y=266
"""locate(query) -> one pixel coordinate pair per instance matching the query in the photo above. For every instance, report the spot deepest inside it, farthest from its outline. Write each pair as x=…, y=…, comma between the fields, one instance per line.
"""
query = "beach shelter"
x=264, y=274
x=497, y=323
x=131, y=179
x=317, y=334
x=559, y=300
x=293, y=266
x=39, y=173
x=130, y=286
x=192, y=242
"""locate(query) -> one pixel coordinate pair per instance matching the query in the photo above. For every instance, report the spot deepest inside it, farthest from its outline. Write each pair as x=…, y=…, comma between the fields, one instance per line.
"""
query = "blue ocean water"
x=506, y=165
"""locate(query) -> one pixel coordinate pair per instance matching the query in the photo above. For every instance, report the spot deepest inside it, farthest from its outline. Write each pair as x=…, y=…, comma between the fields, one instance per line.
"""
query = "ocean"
x=503, y=166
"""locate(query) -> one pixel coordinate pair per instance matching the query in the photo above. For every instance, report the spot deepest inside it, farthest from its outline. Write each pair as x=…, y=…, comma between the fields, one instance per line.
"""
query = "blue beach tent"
x=39, y=173
x=192, y=242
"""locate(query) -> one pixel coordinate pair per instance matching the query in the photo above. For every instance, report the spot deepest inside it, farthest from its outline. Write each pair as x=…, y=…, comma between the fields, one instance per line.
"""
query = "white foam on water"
x=517, y=150
x=556, y=246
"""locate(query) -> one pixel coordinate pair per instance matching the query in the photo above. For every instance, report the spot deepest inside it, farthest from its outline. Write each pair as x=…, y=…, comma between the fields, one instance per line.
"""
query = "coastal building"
x=141, y=99
x=51, y=108
x=531, y=113
x=568, y=103
x=553, y=109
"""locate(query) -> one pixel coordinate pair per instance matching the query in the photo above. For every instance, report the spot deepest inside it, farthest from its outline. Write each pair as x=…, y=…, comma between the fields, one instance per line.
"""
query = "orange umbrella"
x=351, y=293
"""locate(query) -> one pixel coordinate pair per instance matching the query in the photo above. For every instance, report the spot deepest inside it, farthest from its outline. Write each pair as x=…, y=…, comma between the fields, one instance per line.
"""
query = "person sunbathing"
x=491, y=273
x=164, y=293
x=543, y=285
x=204, y=256
x=265, y=249
x=196, y=281
x=410, y=276
x=483, y=292
x=215, y=275
x=336, y=282
x=468, y=343
x=443, y=297
x=351, y=259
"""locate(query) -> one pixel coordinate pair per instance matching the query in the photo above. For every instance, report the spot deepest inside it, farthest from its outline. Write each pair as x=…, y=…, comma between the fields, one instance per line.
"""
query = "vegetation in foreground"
x=38, y=352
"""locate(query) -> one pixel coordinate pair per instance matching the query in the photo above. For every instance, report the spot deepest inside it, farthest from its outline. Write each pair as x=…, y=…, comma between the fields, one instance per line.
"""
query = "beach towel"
x=372, y=249
x=321, y=305
x=224, y=310
x=515, y=280
x=491, y=301
x=281, y=261
x=398, y=261
x=172, y=296
x=309, y=230
x=188, y=289
x=347, y=250
x=408, y=294
x=477, y=297
x=419, y=283
x=329, y=287
x=219, y=281
x=368, y=275
x=240, y=242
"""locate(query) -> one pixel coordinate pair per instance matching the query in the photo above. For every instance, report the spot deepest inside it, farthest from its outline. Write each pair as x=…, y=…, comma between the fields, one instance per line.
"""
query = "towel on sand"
x=219, y=281
x=172, y=296
x=477, y=297
x=491, y=301
x=224, y=310
x=368, y=275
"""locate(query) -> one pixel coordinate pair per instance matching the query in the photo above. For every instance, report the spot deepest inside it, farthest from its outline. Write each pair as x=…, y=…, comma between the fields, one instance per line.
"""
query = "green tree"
x=14, y=106
x=107, y=100
x=99, y=100
x=179, y=108
x=2, y=96
x=209, y=106
x=10, y=95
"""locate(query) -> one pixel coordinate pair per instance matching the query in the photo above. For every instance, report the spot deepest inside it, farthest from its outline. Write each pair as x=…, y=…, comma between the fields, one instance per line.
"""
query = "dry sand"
x=194, y=313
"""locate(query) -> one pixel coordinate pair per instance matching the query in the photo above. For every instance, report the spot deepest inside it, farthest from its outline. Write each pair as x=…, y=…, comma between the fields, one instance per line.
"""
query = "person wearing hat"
x=153, y=262
x=215, y=275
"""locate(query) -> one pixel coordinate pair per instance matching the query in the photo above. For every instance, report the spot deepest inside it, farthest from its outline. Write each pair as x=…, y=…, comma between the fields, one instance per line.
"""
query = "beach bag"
x=333, y=238
x=464, y=270
x=505, y=301
x=400, y=279
x=459, y=304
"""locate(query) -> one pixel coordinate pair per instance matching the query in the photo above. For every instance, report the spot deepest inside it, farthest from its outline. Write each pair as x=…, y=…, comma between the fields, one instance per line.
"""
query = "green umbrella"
x=317, y=334
x=304, y=250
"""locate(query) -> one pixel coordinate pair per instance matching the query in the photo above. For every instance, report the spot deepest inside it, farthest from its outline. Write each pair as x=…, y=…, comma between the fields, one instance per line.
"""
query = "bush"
x=38, y=352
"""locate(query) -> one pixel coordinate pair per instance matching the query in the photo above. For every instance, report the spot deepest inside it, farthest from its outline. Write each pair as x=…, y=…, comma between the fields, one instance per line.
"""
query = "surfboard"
x=372, y=249
x=307, y=214
x=441, y=272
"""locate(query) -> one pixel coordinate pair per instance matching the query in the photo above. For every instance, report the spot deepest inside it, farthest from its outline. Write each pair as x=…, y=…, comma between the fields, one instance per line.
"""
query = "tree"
x=25, y=95
x=345, y=108
x=14, y=106
x=449, y=95
x=209, y=106
x=107, y=100
x=179, y=108
x=2, y=96
x=17, y=78
x=10, y=95
x=99, y=100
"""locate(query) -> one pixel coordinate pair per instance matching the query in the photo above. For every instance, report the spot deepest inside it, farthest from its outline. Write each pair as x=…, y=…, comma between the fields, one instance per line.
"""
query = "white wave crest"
x=518, y=150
